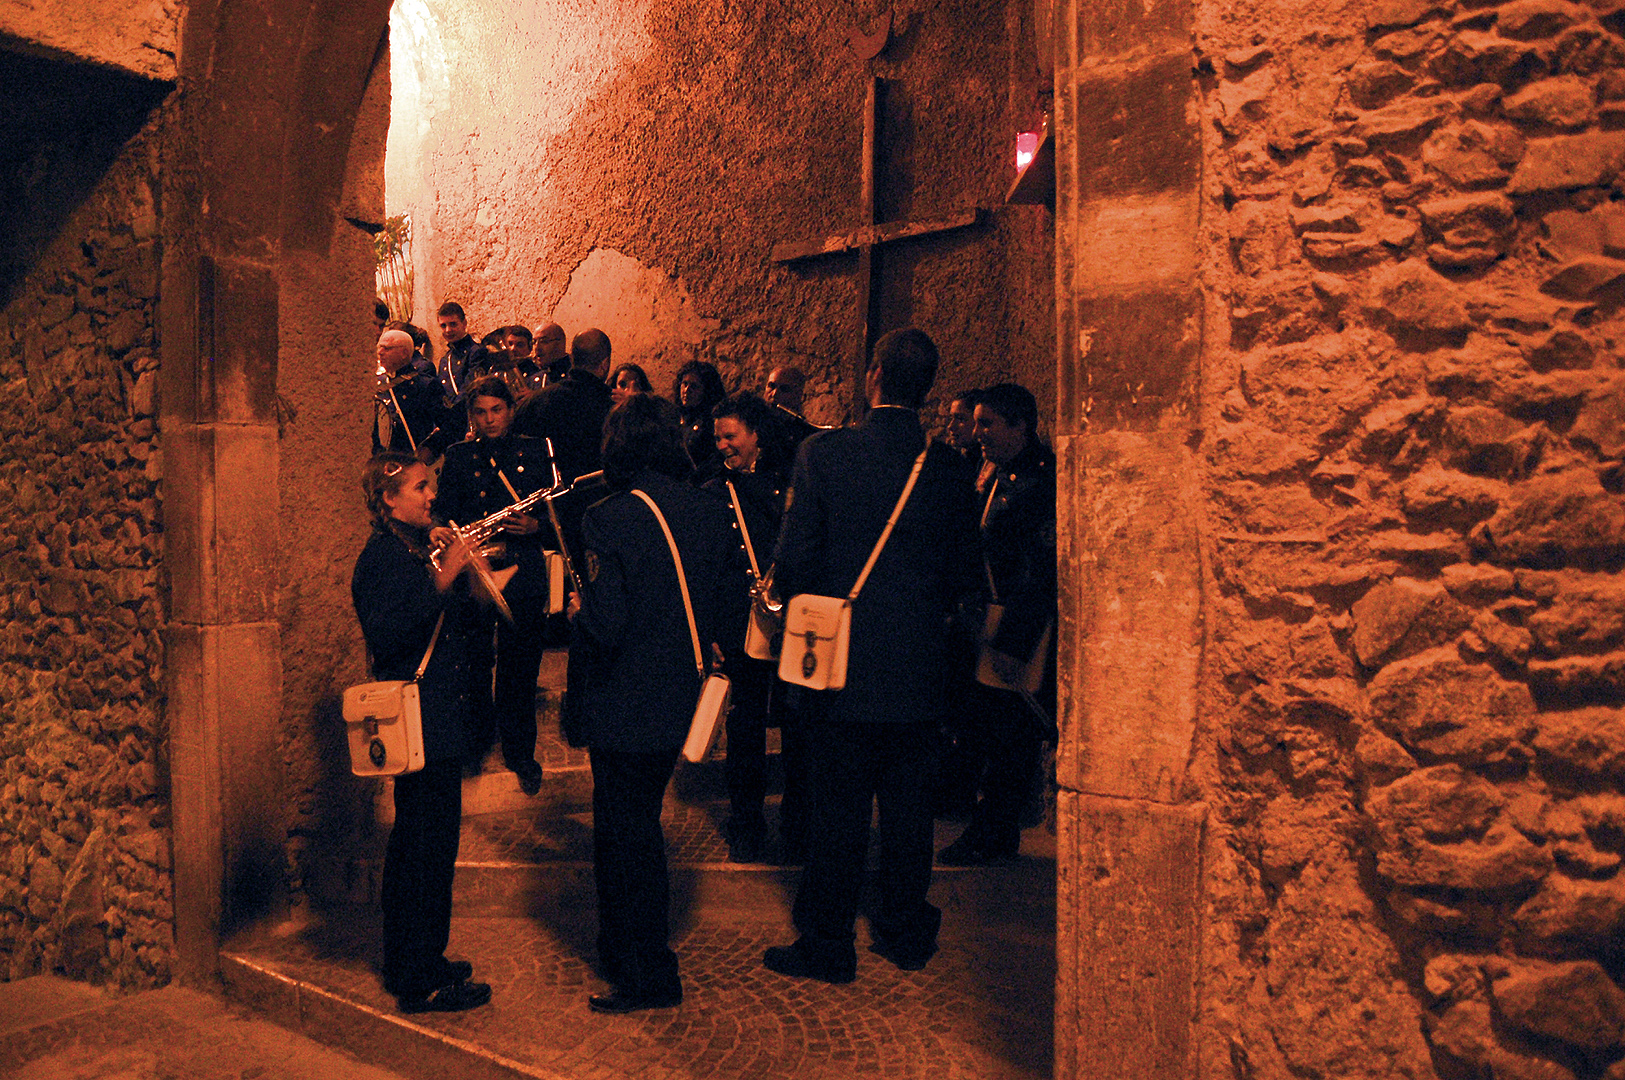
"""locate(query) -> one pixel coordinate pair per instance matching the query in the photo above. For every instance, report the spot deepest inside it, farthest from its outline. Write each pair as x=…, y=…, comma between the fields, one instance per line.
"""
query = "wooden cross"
x=864, y=239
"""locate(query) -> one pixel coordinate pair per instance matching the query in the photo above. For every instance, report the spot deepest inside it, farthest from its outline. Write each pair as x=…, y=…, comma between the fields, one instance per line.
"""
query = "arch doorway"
x=268, y=243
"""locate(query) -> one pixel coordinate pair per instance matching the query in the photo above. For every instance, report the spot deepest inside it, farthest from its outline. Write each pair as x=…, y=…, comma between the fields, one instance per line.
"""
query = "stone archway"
x=259, y=271
x=260, y=358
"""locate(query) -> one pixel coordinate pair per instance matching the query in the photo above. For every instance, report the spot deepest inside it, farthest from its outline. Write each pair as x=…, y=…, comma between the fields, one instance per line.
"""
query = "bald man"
x=407, y=410
x=785, y=384
x=551, y=355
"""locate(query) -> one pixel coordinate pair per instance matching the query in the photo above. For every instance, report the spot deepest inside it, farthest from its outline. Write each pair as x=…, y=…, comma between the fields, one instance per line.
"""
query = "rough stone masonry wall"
x=640, y=170
x=1418, y=618
x=84, y=834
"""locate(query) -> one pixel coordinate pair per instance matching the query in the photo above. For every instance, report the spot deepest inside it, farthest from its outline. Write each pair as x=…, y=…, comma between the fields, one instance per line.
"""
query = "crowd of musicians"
x=575, y=506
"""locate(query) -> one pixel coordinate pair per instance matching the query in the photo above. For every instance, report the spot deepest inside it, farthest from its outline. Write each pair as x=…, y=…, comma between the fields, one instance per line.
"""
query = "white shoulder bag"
x=765, y=630
x=384, y=721
x=715, y=689
x=818, y=629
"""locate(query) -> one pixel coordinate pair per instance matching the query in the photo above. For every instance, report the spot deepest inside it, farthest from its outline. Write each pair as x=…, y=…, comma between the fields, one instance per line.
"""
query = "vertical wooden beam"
x=866, y=253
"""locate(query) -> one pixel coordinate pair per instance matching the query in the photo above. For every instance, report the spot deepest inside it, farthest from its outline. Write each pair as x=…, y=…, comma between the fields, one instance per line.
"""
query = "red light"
x=1026, y=147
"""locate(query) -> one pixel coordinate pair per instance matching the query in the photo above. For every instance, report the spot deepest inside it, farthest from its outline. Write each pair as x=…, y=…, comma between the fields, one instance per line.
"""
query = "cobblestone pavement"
x=982, y=1008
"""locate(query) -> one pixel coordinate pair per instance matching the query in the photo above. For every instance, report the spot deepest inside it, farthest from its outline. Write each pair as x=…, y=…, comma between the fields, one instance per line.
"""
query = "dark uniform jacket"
x=412, y=399
x=761, y=498
x=637, y=682
x=397, y=605
x=1018, y=546
x=570, y=412
x=845, y=483
x=460, y=365
x=470, y=490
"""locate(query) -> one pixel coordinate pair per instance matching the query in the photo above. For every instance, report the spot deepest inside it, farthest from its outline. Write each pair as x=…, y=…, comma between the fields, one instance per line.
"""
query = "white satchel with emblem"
x=818, y=629
x=384, y=721
x=715, y=689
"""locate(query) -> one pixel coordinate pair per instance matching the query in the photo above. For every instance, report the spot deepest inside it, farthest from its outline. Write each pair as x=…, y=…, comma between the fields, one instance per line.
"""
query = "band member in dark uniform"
x=756, y=471
x=407, y=410
x=638, y=682
x=404, y=604
x=873, y=738
x=1005, y=733
x=481, y=476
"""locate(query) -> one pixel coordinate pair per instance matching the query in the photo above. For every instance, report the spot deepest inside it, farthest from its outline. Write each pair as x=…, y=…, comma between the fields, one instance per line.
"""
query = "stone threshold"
x=384, y=1039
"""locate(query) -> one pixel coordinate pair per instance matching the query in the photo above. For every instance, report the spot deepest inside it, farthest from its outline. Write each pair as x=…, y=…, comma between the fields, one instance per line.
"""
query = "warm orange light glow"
x=1026, y=147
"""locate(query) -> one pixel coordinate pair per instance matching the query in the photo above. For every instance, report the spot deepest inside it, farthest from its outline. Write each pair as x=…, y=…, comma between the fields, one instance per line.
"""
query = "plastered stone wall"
x=1411, y=443
x=634, y=165
x=85, y=864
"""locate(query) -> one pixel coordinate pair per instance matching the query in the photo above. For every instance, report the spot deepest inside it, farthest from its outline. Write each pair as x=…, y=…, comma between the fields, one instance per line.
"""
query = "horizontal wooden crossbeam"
x=872, y=235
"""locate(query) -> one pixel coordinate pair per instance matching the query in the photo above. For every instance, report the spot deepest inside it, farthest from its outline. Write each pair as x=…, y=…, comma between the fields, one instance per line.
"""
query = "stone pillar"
x=1128, y=315
x=224, y=676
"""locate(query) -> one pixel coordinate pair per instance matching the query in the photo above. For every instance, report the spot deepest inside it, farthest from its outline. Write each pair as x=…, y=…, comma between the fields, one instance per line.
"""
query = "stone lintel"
x=221, y=514
x=1131, y=613
x=223, y=685
x=135, y=38
x=1127, y=938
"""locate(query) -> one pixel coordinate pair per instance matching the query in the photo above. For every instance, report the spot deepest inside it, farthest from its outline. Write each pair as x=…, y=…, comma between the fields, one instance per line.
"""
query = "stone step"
x=982, y=1008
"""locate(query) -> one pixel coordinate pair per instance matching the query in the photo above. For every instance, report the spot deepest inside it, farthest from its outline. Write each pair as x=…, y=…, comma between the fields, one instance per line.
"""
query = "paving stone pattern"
x=982, y=1008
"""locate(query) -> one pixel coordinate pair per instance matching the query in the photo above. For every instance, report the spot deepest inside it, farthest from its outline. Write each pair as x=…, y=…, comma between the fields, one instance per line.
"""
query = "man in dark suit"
x=872, y=739
x=571, y=413
x=407, y=408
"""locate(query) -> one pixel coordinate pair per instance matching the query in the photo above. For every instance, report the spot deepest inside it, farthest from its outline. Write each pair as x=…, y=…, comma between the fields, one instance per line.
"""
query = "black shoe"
x=798, y=962
x=458, y=971
x=905, y=957
x=975, y=851
x=746, y=848
x=455, y=997
x=530, y=777
x=617, y=1002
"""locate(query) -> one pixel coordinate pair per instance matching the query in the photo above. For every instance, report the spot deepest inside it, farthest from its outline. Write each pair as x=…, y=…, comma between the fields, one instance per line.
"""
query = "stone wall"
x=1413, y=740
x=85, y=884
x=633, y=166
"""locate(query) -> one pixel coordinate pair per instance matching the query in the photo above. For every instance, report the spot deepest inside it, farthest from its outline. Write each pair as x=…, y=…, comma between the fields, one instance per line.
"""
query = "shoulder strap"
x=682, y=580
x=744, y=530
x=438, y=623
x=885, y=534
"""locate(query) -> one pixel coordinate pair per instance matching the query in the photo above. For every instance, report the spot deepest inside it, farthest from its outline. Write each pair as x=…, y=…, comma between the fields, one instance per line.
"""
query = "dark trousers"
x=506, y=706
x=758, y=704
x=629, y=866
x=418, y=865
x=1008, y=745
x=851, y=765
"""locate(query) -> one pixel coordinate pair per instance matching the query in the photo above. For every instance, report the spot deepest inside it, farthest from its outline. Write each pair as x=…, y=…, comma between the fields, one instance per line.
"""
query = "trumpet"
x=478, y=533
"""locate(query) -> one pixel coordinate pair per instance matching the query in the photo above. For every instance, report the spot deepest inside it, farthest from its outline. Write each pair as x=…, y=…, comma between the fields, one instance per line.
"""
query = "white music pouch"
x=817, y=636
x=818, y=629
x=383, y=721
x=716, y=692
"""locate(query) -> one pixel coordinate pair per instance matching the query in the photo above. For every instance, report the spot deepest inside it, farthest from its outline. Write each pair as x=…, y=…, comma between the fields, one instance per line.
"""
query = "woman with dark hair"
x=479, y=477
x=407, y=607
x=635, y=683
x=752, y=481
x=626, y=380
x=697, y=390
